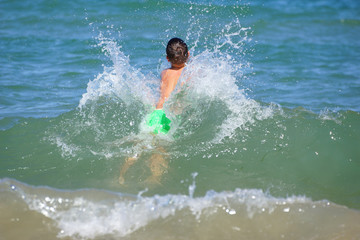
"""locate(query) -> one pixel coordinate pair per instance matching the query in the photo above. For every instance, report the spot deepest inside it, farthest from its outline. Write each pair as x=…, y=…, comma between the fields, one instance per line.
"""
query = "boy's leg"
x=158, y=166
x=128, y=162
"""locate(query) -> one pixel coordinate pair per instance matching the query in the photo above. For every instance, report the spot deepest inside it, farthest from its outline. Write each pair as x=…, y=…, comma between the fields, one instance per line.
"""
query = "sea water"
x=265, y=132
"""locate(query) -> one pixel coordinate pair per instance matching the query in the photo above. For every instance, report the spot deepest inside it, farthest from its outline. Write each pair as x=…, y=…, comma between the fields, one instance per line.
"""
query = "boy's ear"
x=168, y=58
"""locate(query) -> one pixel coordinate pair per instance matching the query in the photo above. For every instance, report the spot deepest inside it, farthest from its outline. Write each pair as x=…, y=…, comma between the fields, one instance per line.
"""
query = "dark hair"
x=177, y=51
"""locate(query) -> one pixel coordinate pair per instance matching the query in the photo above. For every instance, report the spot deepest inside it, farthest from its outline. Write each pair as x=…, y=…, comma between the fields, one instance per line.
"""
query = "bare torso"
x=169, y=79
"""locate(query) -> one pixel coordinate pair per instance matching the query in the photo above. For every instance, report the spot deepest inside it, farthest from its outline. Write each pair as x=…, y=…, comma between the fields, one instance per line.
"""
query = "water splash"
x=120, y=80
x=192, y=186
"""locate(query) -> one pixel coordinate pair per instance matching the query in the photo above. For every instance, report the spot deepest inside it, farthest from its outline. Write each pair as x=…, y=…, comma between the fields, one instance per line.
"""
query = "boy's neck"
x=177, y=66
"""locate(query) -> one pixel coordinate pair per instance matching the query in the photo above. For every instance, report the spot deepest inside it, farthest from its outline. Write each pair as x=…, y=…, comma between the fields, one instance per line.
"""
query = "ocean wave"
x=97, y=214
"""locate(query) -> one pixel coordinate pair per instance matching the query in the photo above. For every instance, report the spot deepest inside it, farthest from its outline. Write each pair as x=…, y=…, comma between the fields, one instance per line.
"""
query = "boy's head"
x=177, y=51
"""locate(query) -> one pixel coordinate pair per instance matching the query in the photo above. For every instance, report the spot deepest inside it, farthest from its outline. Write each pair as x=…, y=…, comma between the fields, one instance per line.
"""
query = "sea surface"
x=265, y=133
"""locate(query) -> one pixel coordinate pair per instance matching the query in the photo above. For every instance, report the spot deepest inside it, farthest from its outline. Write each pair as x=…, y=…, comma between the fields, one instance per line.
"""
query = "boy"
x=177, y=54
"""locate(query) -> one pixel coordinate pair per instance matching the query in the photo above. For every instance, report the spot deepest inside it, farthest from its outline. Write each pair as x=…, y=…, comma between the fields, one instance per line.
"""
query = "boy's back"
x=177, y=54
x=169, y=79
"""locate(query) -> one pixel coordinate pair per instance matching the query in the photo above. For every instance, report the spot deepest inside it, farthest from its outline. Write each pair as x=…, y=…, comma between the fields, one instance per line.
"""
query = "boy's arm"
x=163, y=88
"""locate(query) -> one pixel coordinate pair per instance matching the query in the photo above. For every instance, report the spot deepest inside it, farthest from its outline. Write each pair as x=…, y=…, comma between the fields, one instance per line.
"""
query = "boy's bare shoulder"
x=165, y=71
x=170, y=75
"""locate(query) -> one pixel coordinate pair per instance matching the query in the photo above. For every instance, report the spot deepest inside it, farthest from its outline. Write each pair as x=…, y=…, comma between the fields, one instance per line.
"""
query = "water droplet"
x=286, y=210
x=232, y=212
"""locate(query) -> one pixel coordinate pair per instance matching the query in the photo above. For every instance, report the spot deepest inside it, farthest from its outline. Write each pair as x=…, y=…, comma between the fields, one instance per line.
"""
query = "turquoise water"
x=265, y=125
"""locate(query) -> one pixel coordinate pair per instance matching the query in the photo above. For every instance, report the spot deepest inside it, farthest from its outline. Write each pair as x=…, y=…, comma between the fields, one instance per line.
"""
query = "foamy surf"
x=238, y=214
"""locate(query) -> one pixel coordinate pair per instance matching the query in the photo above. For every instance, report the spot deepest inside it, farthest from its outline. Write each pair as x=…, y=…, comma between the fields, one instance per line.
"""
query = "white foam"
x=95, y=214
x=328, y=115
x=84, y=217
x=67, y=150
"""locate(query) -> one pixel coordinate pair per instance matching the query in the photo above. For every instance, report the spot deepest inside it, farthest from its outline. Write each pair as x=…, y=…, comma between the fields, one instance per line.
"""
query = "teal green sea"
x=265, y=120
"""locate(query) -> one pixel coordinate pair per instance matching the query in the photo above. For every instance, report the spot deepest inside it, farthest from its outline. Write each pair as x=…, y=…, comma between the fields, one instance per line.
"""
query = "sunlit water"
x=265, y=120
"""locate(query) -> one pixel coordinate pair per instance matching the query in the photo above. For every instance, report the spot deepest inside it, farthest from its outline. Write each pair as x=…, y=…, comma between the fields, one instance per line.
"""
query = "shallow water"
x=265, y=123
